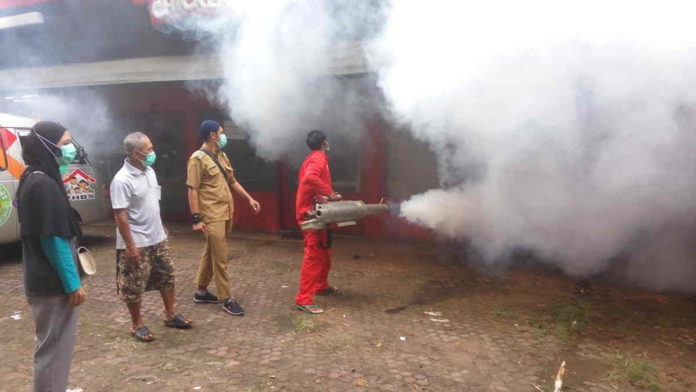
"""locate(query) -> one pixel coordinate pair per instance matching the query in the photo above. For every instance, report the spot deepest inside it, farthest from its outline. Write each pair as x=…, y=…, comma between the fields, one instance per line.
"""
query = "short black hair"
x=81, y=181
x=315, y=139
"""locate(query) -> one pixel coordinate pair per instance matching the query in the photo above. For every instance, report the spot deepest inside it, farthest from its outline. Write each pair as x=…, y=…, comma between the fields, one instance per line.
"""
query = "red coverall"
x=314, y=180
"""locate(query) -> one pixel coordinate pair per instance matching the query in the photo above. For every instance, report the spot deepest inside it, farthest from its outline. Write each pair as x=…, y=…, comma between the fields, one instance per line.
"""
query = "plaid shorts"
x=155, y=272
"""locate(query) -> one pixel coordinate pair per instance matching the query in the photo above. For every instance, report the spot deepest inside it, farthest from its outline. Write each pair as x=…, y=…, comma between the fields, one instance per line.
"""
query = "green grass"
x=565, y=320
x=544, y=388
x=304, y=324
x=539, y=329
x=638, y=372
x=569, y=319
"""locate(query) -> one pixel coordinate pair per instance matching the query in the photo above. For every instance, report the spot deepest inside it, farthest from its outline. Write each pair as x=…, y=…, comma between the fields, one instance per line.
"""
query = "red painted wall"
x=268, y=219
x=179, y=102
x=278, y=206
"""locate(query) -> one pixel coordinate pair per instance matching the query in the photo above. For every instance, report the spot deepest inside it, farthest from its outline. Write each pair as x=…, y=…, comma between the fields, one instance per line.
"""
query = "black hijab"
x=42, y=203
x=40, y=154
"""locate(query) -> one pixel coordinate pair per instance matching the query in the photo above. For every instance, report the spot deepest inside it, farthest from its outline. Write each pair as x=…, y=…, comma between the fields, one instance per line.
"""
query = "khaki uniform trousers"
x=213, y=262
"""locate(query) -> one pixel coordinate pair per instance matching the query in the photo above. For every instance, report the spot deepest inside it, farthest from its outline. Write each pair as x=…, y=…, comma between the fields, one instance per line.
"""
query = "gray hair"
x=134, y=141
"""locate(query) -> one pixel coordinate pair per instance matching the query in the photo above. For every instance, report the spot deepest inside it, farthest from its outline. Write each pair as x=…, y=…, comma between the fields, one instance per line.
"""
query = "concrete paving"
x=409, y=318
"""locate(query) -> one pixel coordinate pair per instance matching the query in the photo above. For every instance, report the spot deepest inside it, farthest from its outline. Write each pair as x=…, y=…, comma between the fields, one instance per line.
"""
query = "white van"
x=82, y=182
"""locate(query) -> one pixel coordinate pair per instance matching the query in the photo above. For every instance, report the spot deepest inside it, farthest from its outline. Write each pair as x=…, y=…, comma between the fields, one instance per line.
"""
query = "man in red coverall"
x=314, y=184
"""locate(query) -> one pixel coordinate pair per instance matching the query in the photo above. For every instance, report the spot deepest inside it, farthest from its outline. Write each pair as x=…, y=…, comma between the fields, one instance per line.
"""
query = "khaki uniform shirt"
x=214, y=195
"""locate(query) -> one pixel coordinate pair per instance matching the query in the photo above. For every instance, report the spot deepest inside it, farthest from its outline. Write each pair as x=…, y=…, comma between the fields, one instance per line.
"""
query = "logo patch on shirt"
x=5, y=205
x=79, y=185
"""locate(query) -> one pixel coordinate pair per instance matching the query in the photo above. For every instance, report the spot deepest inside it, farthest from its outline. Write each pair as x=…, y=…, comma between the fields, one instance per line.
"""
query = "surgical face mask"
x=149, y=159
x=68, y=153
x=223, y=141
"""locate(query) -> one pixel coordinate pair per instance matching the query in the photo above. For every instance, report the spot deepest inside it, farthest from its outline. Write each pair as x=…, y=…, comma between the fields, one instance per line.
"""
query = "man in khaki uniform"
x=210, y=181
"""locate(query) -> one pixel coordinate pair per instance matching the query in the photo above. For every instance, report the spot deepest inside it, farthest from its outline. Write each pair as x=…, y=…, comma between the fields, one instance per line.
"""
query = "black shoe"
x=331, y=290
x=206, y=298
x=232, y=307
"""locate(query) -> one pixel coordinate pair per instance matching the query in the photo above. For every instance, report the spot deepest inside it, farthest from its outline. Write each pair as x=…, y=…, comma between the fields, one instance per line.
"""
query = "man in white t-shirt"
x=143, y=262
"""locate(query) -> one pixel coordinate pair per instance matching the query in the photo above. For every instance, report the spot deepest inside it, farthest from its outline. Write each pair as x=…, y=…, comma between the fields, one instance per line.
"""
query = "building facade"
x=118, y=54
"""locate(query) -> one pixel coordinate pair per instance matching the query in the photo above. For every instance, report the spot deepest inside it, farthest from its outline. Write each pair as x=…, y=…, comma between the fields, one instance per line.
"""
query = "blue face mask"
x=223, y=141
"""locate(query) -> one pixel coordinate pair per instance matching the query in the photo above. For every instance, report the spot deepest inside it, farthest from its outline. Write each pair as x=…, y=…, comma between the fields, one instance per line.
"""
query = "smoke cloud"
x=562, y=127
x=566, y=128
x=277, y=59
x=94, y=128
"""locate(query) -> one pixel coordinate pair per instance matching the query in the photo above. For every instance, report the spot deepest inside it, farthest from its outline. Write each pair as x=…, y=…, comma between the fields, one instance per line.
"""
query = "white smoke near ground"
x=563, y=127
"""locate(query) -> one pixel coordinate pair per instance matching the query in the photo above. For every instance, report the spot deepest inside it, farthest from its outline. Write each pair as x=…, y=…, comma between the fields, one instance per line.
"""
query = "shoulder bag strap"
x=214, y=158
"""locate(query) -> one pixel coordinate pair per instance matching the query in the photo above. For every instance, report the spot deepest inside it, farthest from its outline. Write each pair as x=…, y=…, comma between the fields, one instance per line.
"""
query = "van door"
x=9, y=223
x=82, y=181
x=84, y=186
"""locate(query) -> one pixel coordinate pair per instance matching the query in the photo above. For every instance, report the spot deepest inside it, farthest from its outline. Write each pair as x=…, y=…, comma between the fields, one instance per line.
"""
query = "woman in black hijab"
x=48, y=229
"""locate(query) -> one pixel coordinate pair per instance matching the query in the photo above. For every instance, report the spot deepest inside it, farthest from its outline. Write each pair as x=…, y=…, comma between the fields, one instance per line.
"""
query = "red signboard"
x=161, y=11
x=20, y=3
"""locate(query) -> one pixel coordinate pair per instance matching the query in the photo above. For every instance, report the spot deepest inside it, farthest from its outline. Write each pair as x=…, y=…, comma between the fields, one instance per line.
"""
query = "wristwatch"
x=196, y=218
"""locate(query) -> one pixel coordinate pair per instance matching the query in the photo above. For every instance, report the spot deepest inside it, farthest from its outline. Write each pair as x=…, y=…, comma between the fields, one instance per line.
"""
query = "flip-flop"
x=311, y=308
x=141, y=334
x=178, y=322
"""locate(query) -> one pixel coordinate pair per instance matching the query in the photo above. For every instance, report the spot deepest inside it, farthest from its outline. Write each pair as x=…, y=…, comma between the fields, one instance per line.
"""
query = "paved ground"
x=411, y=318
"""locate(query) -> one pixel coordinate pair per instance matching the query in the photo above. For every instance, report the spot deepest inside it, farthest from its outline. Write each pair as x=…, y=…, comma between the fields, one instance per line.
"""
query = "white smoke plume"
x=276, y=56
x=563, y=127
x=84, y=112
x=566, y=127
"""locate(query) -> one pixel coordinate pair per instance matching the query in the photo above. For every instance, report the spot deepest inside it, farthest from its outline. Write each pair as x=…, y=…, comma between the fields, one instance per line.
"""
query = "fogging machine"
x=341, y=213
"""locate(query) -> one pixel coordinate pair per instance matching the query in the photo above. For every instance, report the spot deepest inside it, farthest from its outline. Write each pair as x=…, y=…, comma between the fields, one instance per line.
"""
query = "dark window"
x=253, y=172
x=166, y=133
x=344, y=163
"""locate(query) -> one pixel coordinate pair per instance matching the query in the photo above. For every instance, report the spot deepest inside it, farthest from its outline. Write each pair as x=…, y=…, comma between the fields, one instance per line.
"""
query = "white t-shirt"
x=139, y=192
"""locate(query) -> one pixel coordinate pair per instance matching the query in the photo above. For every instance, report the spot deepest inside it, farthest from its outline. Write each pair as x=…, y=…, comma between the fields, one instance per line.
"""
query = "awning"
x=349, y=59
